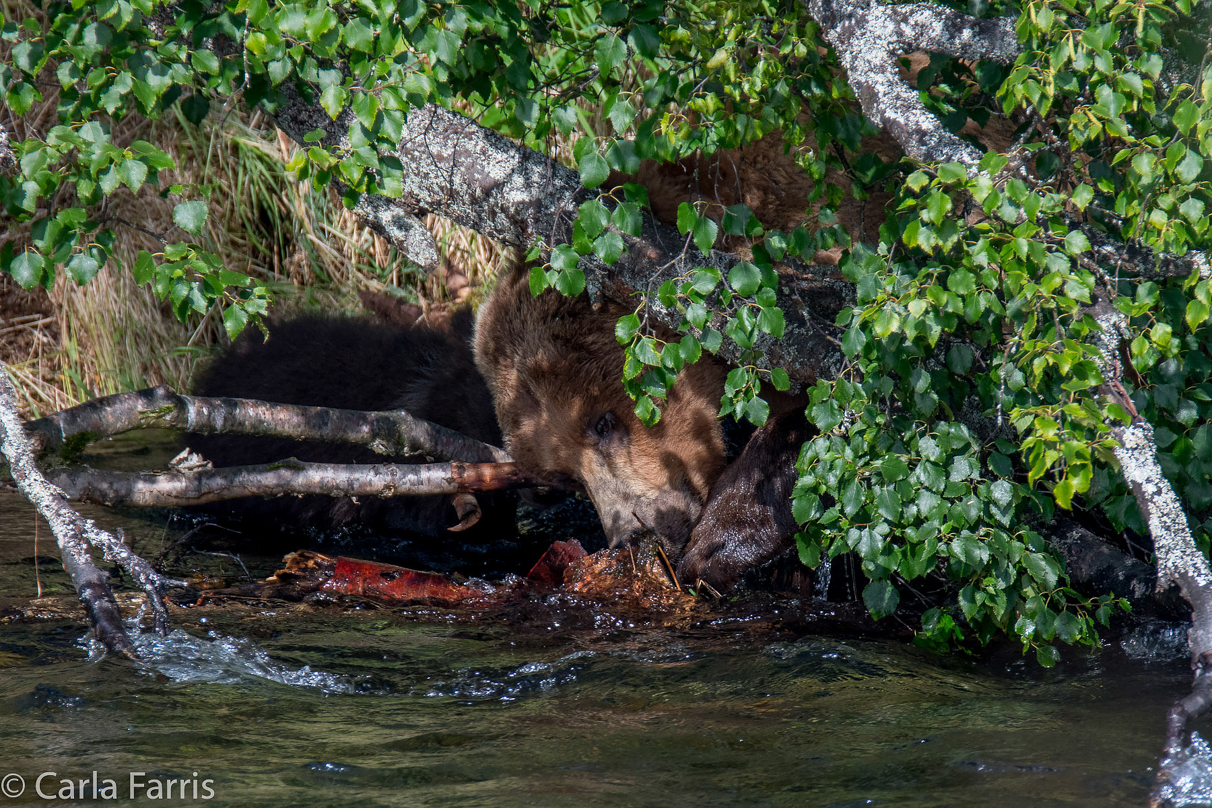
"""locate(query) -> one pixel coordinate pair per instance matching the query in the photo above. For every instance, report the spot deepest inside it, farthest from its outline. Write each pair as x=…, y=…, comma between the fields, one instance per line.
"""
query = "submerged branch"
x=177, y=488
x=390, y=433
x=75, y=535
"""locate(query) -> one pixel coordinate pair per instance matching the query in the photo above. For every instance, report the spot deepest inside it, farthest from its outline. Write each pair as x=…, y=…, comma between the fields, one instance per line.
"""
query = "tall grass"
x=113, y=335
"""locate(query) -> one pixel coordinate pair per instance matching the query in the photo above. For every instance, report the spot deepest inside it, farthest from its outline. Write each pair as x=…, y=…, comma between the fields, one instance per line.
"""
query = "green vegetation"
x=974, y=299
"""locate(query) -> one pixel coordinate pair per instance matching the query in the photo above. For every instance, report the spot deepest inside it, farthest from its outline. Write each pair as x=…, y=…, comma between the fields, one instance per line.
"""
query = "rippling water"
x=424, y=707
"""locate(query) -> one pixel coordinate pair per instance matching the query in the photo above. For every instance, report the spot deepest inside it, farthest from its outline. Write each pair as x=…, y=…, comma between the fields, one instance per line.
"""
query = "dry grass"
x=112, y=335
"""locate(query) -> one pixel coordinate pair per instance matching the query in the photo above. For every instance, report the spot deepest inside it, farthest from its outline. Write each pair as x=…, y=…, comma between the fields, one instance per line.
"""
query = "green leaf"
x=195, y=107
x=594, y=217
x=358, y=35
x=20, y=97
x=888, y=502
x=917, y=181
x=1186, y=116
x=780, y=379
x=1197, y=312
x=705, y=280
x=1189, y=168
x=234, y=320
x=691, y=349
x=894, y=468
x=608, y=247
x=1083, y=195
x=881, y=598
x=705, y=231
x=1003, y=493
x=83, y=267
x=809, y=552
x=563, y=257
x=1047, y=656
x=757, y=411
x=971, y=550
x=205, y=61
x=228, y=277
x=959, y=359
x=687, y=218
x=609, y=52
x=593, y=169
x=952, y=173
x=145, y=268
x=133, y=173
x=938, y=205
x=744, y=278
x=627, y=218
x=1076, y=243
x=570, y=282
x=190, y=216
x=962, y=282
x=696, y=314
x=645, y=40
x=26, y=269
x=1039, y=568
x=626, y=327
x=825, y=415
x=333, y=100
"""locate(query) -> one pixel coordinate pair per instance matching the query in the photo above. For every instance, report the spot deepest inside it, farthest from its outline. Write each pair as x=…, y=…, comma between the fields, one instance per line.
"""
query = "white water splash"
x=1157, y=641
x=1188, y=776
x=511, y=684
x=182, y=657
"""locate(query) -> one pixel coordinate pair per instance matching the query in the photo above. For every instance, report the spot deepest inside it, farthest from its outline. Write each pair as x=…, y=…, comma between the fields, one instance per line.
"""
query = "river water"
x=261, y=705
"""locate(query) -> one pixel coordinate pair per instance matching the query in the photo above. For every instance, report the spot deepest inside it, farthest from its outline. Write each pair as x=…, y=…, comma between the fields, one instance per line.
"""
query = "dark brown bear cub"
x=354, y=364
x=555, y=371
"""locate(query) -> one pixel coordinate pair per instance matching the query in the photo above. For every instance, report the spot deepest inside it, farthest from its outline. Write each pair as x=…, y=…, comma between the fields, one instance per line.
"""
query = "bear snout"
x=629, y=518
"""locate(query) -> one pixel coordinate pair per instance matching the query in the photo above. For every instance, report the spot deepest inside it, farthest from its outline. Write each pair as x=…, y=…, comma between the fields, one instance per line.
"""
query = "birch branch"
x=868, y=38
x=518, y=197
x=390, y=433
x=1179, y=560
x=75, y=534
x=178, y=488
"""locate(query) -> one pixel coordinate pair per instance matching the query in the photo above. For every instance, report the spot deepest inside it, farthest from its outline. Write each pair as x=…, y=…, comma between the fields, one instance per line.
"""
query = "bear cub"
x=356, y=364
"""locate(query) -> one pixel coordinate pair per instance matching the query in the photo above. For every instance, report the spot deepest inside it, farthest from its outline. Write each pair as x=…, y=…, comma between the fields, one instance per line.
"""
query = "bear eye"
x=606, y=426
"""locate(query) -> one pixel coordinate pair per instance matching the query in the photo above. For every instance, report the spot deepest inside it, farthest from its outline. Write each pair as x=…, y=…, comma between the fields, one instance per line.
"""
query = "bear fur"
x=344, y=362
x=555, y=368
x=747, y=524
x=555, y=371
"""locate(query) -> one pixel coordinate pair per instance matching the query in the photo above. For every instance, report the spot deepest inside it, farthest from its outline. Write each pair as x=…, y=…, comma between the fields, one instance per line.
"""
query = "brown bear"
x=358, y=364
x=555, y=371
x=747, y=523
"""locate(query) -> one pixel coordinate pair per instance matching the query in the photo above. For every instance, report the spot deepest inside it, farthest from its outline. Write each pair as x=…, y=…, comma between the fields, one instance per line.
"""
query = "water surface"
x=289, y=706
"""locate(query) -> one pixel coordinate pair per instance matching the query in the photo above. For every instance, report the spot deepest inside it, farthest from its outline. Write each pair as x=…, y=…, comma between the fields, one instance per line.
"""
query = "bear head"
x=555, y=371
